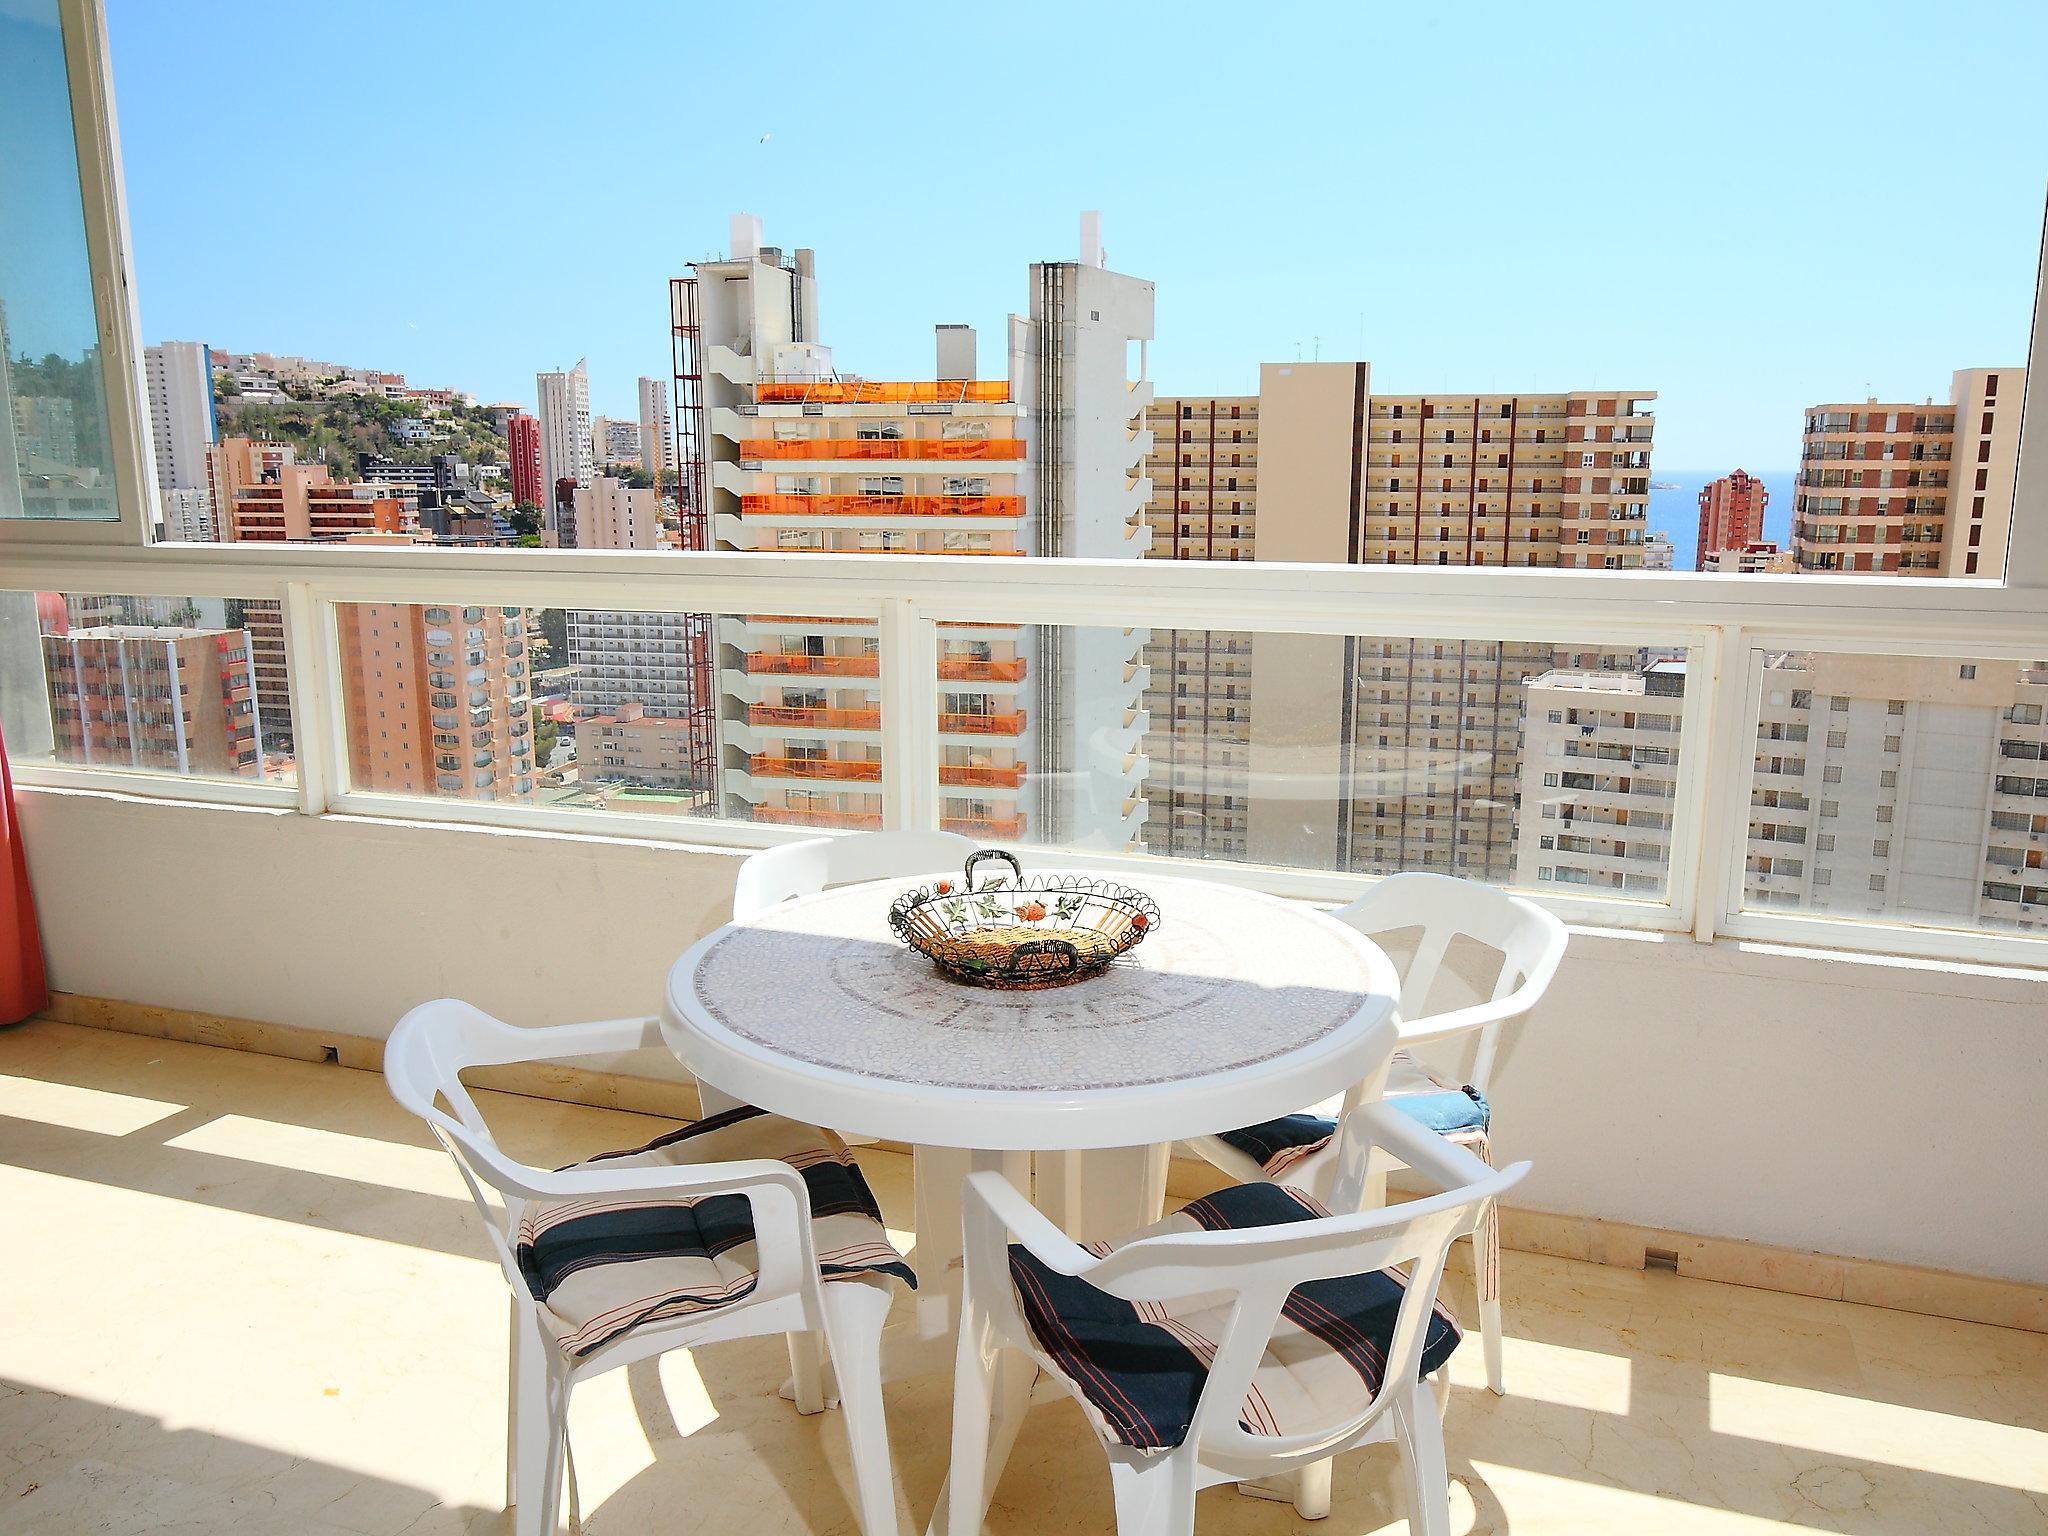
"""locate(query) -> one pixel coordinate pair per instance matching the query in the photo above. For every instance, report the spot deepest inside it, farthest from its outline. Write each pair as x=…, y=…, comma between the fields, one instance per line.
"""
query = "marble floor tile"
x=250, y=1295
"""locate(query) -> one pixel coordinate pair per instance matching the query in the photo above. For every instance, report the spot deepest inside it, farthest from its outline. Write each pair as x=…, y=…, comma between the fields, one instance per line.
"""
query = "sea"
x=1675, y=507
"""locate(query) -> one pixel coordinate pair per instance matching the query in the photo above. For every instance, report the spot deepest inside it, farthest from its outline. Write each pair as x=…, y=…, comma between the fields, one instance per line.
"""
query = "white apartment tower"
x=657, y=434
x=1040, y=728
x=183, y=427
x=1599, y=778
x=565, y=452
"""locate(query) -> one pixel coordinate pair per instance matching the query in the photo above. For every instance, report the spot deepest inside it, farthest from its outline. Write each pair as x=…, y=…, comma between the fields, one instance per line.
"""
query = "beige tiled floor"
x=248, y=1295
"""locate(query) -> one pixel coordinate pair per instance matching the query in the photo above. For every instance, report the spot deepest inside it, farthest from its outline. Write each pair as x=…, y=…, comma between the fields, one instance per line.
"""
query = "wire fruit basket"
x=1018, y=933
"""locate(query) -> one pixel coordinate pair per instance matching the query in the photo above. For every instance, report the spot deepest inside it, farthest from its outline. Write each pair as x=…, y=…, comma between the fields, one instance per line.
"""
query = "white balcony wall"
x=1841, y=1104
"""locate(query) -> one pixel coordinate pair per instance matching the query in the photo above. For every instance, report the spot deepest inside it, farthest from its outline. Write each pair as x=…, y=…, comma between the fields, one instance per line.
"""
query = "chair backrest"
x=774, y=875
x=1530, y=942
x=1261, y=1266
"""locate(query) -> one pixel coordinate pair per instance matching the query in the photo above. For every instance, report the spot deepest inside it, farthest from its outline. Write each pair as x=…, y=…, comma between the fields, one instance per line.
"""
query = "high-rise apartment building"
x=564, y=415
x=1599, y=778
x=615, y=442
x=522, y=451
x=46, y=427
x=1903, y=788
x=1731, y=516
x=165, y=698
x=301, y=504
x=1763, y=558
x=183, y=429
x=623, y=661
x=1921, y=490
x=1368, y=752
x=1657, y=552
x=657, y=431
x=436, y=700
x=1039, y=726
x=232, y=466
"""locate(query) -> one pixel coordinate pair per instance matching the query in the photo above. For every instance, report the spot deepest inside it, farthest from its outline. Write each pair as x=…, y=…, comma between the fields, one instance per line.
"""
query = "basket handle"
x=991, y=853
x=1055, y=949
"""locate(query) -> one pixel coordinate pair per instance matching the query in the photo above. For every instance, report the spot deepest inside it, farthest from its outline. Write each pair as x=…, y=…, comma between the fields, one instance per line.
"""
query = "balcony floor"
x=251, y=1296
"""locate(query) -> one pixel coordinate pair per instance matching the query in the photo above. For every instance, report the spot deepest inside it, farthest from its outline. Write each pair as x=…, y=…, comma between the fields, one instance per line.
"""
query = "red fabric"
x=23, y=990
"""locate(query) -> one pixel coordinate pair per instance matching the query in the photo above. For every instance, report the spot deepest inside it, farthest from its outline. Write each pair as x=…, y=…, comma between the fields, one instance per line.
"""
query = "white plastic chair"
x=774, y=875
x=1530, y=942
x=428, y=1051
x=1252, y=1271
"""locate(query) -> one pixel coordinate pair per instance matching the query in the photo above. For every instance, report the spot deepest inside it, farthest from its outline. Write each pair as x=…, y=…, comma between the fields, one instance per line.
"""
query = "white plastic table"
x=1237, y=1008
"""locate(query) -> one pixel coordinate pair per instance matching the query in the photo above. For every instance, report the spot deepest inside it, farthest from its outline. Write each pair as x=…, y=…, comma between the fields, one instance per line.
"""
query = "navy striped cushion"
x=1277, y=1145
x=603, y=1265
x=1139, y=1368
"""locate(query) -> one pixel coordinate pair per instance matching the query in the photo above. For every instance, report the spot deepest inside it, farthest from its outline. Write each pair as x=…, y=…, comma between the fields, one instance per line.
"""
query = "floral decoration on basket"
x=1017, y=933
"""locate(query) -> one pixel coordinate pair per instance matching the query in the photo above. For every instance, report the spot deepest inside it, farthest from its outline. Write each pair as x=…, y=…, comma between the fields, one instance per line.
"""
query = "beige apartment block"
x=1363, y=752
x=631, y=745
x=1918, y=490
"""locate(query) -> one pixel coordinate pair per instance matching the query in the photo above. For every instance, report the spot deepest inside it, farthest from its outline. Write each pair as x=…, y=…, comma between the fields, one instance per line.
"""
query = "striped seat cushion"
x=602, y=1266
x=1138, y=1367
x=1440, y=1106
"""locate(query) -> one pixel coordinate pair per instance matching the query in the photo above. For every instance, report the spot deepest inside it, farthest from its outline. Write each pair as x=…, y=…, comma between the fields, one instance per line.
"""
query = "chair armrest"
x=551, y=1042
x=1444, y=1164
x=998, y=1199
x=1459, y=1021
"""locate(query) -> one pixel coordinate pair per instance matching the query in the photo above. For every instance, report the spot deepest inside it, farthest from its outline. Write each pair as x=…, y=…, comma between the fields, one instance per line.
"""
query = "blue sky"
x=1749, y=208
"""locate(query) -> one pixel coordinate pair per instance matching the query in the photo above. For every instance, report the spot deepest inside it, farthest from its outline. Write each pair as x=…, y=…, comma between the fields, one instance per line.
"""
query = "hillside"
x=335, y=431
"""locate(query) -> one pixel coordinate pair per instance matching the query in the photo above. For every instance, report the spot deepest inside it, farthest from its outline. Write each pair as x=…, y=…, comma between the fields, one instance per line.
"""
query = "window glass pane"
x=141, y=684
x=56, y=461
x=1937, y=790
x=800, y=720
x=561, y=708
x=1537, y=764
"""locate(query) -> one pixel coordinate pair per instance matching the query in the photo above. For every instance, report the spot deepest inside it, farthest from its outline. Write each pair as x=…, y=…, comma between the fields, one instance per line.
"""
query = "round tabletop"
x=1237, y=1008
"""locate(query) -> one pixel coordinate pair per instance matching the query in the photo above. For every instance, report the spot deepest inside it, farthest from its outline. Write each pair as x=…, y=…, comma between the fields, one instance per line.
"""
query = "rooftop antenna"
x=1319, y=349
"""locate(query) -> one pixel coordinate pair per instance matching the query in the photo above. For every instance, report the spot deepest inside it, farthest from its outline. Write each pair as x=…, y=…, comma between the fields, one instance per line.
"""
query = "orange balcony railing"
x=803, y=718
x=886, y=392
x=881, y=506
x=882, y=448
x=854, y=770
x=805, y=549
x=805, y=619
x=814, y=666
x=984, y=826
x=803, y=816
x=967, y=669
x=982, y=725
x=983, y=776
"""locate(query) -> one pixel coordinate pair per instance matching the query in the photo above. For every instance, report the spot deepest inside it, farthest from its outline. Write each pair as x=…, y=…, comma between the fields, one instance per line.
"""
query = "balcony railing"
x=804, y=816
x=881, y=506
x=814, y=666
x=984, y=826
x=866, y=771
x=884, y=392
x=964, y=669
x=771, y=448
x=982, y=725
x=982, y=775
x=798, y=717
x=914, y=604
